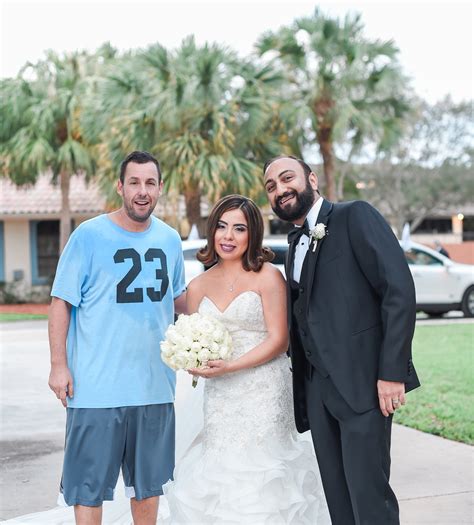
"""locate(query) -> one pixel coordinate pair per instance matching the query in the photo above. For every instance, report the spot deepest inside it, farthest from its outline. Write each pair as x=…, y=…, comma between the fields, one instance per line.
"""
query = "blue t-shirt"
x=121, y=286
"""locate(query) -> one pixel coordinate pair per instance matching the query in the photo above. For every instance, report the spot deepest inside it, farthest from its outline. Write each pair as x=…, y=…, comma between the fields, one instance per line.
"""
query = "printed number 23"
x=137, y=295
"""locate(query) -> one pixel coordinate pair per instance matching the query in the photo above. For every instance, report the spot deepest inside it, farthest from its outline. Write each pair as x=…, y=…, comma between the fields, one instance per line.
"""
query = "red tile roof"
x=45, y=197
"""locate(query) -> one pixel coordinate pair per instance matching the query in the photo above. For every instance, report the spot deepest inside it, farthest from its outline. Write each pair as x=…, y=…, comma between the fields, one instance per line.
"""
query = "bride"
x=246, y=465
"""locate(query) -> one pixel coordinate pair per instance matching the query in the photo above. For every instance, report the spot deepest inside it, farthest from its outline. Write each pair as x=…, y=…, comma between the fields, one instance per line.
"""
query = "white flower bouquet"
x=193, y=341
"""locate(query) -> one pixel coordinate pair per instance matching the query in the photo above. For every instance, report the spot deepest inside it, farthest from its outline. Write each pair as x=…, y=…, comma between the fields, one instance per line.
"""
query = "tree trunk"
x=322, y=108
x=65, y=221
x=340, y=184
x=328, y=166
x=192, y=199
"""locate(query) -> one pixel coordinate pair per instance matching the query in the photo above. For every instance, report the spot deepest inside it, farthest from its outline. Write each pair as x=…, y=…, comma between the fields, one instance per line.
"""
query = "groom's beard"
x=303, y=203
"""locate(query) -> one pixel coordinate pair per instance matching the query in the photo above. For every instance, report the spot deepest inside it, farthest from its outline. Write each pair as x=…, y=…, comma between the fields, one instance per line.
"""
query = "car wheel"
x=467, y=305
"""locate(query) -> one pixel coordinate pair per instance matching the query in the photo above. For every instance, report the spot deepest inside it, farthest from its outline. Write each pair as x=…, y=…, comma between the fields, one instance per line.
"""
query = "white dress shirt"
x=303, y=244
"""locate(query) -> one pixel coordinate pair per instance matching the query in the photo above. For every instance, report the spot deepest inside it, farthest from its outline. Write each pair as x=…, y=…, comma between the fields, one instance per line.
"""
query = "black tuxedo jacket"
x=360, y=307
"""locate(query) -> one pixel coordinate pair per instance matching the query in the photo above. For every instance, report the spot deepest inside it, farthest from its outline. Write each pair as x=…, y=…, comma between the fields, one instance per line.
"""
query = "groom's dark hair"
x=306, y=167
x=255, y=255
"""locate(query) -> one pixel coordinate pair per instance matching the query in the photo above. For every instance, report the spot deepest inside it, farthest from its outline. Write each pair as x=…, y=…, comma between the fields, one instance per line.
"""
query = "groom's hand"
x=391, y=396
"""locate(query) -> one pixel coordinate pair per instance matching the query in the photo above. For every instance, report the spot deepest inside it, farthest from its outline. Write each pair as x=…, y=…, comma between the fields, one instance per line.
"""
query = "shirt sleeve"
x=71, y=271
x=179, y=283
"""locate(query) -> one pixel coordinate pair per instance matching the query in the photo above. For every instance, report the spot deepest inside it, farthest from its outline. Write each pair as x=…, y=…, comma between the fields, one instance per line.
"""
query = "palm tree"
x=40, y=126
x=209, y=117
x=351, y=87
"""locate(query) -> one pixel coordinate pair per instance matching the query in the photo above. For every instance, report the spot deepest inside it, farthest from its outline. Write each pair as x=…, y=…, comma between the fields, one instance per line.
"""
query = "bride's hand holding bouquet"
x=195, y=342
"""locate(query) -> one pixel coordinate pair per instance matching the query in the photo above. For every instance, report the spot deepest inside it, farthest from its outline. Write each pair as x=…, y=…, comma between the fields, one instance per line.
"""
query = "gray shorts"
x=99, y=441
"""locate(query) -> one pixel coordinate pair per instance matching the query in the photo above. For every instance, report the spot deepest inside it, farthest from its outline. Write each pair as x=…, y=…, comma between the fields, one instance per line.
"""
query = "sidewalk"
x=432, y=477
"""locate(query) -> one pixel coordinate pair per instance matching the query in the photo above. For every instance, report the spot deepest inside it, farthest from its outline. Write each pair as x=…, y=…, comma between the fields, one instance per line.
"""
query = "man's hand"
x=60, y=382
x=391, y=396
x=60, y=379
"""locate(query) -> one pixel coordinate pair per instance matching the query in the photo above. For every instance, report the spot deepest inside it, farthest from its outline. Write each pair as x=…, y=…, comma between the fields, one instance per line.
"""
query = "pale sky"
x=435, y=38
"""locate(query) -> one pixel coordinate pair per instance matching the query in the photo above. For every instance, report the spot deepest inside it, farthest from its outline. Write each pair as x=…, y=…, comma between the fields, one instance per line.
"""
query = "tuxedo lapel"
x=312, y=257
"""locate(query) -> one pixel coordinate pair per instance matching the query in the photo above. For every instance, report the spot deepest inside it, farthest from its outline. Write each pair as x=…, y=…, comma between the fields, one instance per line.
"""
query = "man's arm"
x=383, y=263
x=60, y=379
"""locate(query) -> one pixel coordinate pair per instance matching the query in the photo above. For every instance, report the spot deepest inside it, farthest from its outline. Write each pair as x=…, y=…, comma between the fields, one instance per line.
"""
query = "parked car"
x=441, y=284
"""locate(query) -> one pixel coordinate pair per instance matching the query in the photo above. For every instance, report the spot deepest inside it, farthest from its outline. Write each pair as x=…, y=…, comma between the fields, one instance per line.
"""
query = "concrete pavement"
x=432, y=477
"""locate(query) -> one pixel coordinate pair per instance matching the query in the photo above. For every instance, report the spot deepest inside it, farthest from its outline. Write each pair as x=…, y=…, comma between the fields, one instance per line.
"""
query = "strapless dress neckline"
x=239, y=296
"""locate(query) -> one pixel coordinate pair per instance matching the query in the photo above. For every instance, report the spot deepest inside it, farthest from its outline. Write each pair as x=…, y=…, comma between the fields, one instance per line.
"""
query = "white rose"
x=174, y=337
x=166, y=349
x=204, y=355
x=205, y=341
x=224, y=352
x=191, y=362
x=214, y=355
x=179, y=361
x=319, y=231
x=206, y=328
x=218, y=334
x=196, y=347
x=187, y=339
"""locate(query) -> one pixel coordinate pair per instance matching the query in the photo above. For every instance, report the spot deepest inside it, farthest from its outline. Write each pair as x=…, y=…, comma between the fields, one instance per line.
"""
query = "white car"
x=441, y=284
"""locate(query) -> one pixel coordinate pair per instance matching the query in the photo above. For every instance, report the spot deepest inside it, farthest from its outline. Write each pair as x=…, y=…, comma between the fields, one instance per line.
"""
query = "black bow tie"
x=296, y=232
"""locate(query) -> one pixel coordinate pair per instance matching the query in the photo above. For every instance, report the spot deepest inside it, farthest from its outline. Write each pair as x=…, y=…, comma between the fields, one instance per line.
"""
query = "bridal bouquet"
x=194, y=340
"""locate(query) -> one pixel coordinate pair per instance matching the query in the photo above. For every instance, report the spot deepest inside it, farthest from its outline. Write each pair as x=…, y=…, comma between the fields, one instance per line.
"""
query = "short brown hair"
x=255, y=255
x=138, y=157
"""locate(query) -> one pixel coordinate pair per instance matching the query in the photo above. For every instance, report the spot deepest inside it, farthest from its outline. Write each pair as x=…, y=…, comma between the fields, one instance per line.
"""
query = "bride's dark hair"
x=255, y=255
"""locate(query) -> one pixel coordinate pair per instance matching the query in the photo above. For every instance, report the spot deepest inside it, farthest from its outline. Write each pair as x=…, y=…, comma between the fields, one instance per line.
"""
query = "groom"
x=351, y=314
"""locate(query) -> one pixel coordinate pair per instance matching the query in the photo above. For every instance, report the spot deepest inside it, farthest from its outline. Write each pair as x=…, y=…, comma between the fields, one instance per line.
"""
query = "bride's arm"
x=273, y=292
x=193, y=295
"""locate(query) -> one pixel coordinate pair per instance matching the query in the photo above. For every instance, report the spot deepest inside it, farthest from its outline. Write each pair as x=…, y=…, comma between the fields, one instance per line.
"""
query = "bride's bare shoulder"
x=271, y=273
x=198, y=285
x=270, y=278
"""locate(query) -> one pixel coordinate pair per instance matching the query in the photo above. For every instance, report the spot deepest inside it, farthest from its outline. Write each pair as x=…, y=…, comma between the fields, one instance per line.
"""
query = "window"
x=435, y=226
x=419, y=257
x=468, y=229
x=44, y=250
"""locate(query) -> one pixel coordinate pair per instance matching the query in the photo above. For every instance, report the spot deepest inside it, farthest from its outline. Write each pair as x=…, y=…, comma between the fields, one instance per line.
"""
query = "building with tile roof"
x=29, y=228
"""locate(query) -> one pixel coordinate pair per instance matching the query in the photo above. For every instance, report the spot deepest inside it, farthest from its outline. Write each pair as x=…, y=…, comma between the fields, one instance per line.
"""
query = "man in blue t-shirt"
x=119, y=282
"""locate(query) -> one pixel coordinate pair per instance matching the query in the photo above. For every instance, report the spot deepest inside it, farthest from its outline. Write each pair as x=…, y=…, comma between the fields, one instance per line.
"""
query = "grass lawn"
x=7, y=317
x=443, y=356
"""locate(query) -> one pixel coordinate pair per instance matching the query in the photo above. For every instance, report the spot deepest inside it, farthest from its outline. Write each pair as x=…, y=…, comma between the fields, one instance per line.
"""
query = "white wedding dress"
x=247, y=466
x=239, y=458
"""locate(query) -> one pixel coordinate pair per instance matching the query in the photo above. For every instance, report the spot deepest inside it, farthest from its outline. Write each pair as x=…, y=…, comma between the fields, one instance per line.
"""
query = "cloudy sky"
x=435, y=38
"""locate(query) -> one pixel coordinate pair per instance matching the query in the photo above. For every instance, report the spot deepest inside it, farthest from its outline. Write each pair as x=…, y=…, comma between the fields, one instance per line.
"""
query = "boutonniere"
x=317, y=233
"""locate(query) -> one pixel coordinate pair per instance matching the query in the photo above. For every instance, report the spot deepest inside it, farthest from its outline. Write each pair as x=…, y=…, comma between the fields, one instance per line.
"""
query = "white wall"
x=17, y=249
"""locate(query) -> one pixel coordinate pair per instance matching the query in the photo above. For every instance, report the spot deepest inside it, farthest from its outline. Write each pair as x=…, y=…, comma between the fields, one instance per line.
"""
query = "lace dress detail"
x=247, y=465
